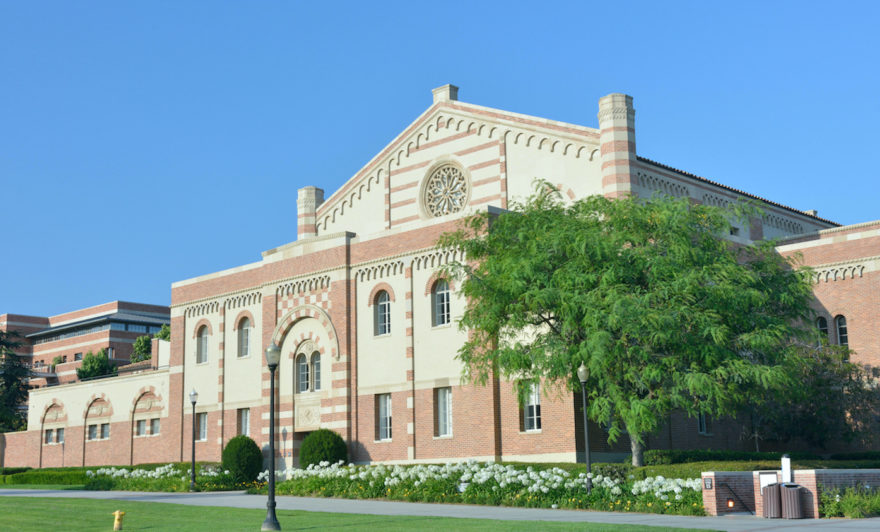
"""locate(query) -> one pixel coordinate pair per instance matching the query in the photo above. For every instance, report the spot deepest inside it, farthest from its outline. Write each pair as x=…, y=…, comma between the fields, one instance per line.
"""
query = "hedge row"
x=46, y=477
x=660, y=457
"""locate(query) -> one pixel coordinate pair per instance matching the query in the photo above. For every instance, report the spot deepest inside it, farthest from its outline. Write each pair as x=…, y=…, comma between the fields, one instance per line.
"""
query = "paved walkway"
x=237, y=499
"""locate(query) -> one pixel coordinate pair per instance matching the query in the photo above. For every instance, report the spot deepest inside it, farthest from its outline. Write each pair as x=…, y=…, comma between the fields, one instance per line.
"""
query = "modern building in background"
x=67, y=337
x=367, y=327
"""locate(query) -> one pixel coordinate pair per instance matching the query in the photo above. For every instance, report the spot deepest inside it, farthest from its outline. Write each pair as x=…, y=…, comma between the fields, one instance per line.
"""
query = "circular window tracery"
x=446, y=191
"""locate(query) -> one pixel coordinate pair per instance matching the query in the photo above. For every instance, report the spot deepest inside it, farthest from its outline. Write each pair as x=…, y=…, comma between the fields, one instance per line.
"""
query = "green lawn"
x=25, y=513
x=41, y=486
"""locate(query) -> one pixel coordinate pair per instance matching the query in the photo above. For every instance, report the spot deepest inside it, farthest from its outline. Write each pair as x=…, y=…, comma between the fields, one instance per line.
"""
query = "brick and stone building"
x=367, y=329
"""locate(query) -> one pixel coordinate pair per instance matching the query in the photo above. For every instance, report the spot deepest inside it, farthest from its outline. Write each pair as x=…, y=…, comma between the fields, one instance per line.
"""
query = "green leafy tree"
x=164, y=333
x=835, y=400
x=55, y=361
x=142, y=348
x=96, y=365
x=13, y=384
x=664, y=313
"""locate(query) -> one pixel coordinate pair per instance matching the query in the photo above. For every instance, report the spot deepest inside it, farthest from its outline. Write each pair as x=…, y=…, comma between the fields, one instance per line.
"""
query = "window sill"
x=443, y=326
x=444, y=437
x=382, y=441
x=383, y=335
x=535, y=431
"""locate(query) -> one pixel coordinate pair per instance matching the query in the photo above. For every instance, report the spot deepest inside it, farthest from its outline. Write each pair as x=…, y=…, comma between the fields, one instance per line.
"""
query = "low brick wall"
x=744, y=487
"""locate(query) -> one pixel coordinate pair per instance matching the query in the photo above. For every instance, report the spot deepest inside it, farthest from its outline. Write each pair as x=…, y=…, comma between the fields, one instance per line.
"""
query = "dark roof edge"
x=744, y=193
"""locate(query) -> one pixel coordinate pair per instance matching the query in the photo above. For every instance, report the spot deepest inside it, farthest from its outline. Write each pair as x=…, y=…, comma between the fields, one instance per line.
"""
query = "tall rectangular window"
x=202, y=345
x=141, y=427
x=48, y=436
x=532, y=409
x=244, y=335
x=105, y=431
x=383, y=416
x=440, y=306
x=154, y=426
x=443, y=411
x=702, y=424
x=59, y=436
x=244, y=421
x=382, y=306
x=202, y=426
x=93, y=432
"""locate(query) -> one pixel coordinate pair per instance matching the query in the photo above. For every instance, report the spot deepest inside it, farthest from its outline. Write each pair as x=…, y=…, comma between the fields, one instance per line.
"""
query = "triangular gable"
x=444, y=118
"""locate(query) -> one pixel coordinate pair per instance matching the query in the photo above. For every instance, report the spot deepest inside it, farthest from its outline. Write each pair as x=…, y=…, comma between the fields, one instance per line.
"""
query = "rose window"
x=446, y=191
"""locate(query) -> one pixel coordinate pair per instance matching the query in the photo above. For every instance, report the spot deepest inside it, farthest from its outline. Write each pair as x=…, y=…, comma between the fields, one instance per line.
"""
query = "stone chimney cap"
x=812, y=212
x=445, y=93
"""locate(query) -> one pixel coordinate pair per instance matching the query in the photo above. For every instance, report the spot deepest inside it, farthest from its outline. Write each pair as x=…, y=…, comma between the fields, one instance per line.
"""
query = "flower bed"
x=493, y=484
x=170, y=477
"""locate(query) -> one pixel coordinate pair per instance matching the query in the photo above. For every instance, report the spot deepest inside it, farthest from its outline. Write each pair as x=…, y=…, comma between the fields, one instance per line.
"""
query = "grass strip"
x=31, y=513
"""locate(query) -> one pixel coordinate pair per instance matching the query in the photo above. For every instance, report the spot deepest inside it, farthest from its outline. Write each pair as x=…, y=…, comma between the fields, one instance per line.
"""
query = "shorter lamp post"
x=583, y=375
x=193, y=397
x=273, y=357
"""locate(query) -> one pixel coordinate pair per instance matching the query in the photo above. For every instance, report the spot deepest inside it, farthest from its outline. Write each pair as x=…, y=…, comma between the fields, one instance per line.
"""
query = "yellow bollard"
x=117, y=522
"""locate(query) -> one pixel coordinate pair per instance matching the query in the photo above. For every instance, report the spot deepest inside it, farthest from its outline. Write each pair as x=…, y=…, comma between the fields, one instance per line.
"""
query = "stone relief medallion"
x=446, y=191
x=307, y=347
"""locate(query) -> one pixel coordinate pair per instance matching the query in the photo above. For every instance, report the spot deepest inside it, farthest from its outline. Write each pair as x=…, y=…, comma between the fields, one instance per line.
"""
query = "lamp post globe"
x=583, y=375
x=273, y=357
x=193, y=397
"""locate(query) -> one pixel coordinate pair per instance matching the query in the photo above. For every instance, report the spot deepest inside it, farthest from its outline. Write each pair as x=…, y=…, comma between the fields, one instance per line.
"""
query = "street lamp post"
x=273, y=356
x=583, y=375
x=193, y=397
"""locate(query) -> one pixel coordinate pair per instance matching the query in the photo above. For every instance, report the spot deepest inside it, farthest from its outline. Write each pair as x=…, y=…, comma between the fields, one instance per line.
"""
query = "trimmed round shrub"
x=243, y=458
x=322, y=445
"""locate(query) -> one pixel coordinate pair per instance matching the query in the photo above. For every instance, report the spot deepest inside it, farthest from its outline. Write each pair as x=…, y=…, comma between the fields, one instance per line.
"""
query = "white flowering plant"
x=494, y=484
x=168, y=477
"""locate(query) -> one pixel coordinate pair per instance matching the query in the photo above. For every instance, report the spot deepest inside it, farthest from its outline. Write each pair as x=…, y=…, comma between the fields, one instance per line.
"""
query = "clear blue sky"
x=143, y=143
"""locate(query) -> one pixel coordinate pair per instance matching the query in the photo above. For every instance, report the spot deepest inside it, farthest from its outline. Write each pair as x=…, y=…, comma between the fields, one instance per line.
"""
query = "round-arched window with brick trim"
x=446, y=190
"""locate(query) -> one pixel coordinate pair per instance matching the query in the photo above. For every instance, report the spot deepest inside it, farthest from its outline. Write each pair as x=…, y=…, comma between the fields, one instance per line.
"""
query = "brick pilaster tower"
x=307, y=202
x=617, y=144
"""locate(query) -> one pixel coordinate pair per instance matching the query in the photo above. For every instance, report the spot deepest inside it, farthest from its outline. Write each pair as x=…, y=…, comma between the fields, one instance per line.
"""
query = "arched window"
x=840, y=325
x=440, y=303
x=822, y=326
x=202, y=345
x=244, y=336
x=316, y=371
x=302, y=374
x=383, y=313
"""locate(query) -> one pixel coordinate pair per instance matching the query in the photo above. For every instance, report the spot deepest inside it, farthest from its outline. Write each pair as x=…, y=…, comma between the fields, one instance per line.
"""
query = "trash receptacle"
x=791, y=501
x=772, y=502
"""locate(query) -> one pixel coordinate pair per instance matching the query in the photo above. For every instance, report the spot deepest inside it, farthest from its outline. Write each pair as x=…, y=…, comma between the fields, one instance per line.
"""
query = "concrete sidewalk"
x=238, y=499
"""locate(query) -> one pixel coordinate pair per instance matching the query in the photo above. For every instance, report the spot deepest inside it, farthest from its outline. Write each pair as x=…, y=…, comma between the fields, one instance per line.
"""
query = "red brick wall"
x=746, y=484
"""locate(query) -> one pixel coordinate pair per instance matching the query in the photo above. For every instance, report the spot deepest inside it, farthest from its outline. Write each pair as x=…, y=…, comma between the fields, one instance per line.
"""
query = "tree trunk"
x=638, y=451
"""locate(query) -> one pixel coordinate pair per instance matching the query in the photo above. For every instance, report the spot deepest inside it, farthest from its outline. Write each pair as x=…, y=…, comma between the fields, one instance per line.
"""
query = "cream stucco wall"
x=121, y=392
